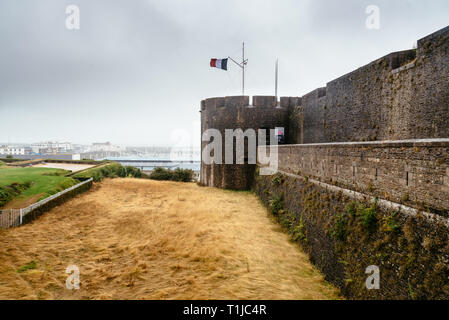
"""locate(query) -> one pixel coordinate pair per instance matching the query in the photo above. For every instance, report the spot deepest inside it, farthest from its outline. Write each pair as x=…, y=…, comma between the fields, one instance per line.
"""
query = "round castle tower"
x=237, y=113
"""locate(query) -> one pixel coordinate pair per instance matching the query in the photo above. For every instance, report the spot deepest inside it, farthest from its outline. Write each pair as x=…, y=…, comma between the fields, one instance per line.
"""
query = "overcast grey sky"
x=137, y=70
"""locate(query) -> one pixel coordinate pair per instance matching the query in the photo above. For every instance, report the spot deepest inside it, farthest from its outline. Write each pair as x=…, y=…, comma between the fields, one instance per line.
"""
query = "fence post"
x=21, y=216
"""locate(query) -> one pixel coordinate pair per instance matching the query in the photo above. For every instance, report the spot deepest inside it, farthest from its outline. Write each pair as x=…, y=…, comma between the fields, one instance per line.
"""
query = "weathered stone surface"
x=404, y=95
x=237, y=101
x=237, y=114
x=410, y=251
x=285, y=102
x=404, y=172
x=264, y=101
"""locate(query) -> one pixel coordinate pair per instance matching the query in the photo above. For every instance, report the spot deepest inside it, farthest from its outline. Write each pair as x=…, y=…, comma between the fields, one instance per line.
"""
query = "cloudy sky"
x=136, y=70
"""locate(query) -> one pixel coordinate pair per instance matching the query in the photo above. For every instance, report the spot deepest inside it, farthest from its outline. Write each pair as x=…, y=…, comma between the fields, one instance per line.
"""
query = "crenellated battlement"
x=244, y=101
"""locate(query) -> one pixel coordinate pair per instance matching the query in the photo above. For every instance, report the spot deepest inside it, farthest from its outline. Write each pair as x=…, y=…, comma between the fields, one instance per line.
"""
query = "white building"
x=105, y=147
x=51, y=147
x=12, y=151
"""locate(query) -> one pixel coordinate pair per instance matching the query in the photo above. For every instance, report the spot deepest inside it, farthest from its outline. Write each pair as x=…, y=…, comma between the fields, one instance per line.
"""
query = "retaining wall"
x=353, y=205
x=412, y=172
x=344, y=235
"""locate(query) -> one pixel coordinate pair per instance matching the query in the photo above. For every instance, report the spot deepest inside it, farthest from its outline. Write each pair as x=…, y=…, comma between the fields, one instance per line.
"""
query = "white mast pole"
x=243, y=69
x=241, y=65
x=276, y=79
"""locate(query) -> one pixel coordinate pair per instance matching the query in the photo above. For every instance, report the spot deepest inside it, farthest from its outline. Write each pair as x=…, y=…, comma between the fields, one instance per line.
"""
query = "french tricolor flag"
x=219, y=63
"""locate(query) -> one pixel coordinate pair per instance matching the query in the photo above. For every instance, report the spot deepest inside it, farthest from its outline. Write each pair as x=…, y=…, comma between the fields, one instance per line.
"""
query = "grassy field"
x=43, y=182
x=145, y=239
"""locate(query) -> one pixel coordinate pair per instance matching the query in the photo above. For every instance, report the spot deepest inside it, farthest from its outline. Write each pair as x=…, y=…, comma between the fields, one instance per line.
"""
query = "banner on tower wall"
x=280, y=134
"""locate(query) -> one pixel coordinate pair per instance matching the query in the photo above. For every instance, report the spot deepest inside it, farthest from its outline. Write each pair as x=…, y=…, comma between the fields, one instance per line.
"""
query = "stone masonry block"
x=236, y=101
x=264, y=101
x=213, y=103
x=285, y=102
x=295, y=101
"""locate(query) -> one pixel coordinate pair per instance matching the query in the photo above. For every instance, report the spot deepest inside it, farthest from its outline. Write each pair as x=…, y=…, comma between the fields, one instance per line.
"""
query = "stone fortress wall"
x=378, y=134
x=403, y=95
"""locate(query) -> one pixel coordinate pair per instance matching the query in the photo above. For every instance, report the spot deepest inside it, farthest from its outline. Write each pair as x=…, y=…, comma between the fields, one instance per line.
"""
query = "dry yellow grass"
x=142, y=239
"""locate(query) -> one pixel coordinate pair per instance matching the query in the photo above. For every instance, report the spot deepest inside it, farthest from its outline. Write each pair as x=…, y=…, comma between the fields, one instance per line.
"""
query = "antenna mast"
x=243, y=69
x=276, y=79
x=242, y=65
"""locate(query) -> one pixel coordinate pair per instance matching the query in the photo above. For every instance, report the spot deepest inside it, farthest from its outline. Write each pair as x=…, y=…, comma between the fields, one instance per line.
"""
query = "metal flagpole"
x=243, y=69
x=242, y=65
x=276, y=79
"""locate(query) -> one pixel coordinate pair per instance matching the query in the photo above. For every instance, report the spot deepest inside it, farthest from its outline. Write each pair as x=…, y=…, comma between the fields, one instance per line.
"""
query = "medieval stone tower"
x=238, y=113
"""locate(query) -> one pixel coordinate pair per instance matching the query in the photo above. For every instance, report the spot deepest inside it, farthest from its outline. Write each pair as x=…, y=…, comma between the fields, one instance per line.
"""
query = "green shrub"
x=27, y=184
x=351, y=209
x=340, y=231
x=180, y=175
x=65, y=184
x=96, y=176
x=361, y=214
x=392, y=224
x=161, y=174
x=278, y=179
x=110, y=170
x=277, y=204
x=298, y=232
x=132, y=172
x=121, y=172
x=369, y=218
x=7, y=193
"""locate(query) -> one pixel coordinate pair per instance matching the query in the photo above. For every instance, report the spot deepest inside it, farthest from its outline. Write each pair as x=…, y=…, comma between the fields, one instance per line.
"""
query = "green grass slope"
x=33, y=182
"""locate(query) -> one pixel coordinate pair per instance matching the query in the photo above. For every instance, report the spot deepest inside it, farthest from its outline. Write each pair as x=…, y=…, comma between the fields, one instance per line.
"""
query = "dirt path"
x=142, y=239
x=65, y=166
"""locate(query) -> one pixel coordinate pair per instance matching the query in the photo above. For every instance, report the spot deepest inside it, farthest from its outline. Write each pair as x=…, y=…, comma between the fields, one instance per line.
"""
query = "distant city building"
x=105, y=147
x=11, y=150
x=51, y=147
